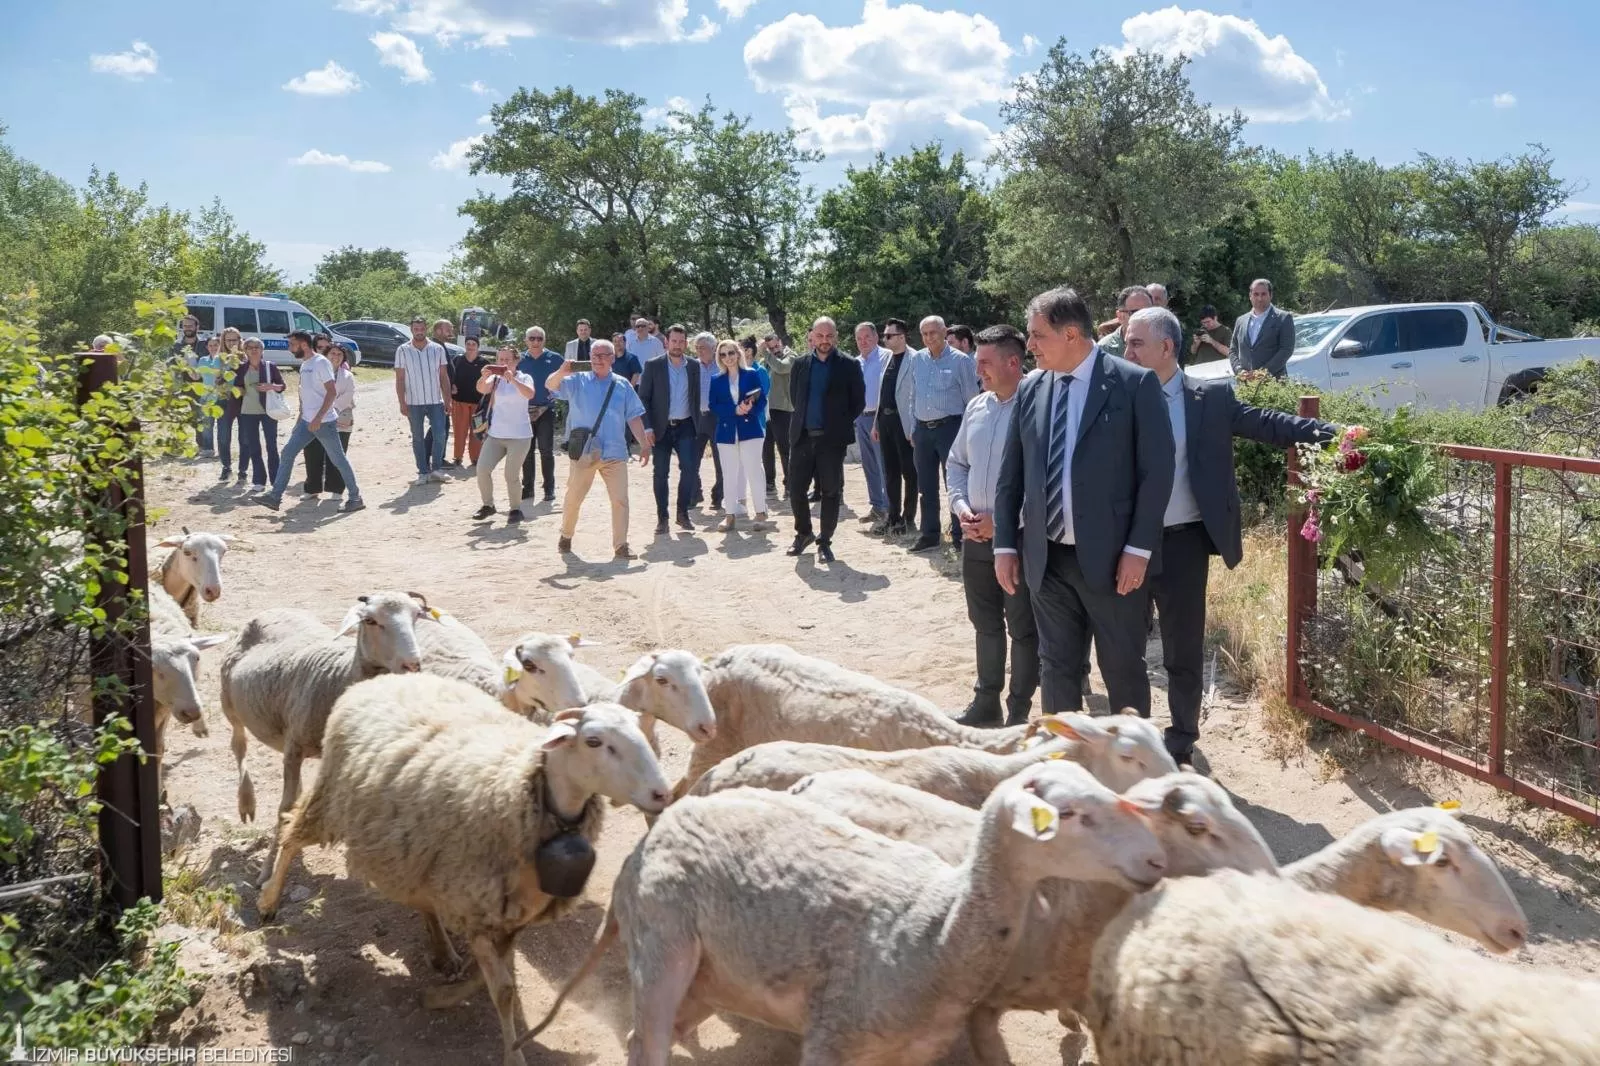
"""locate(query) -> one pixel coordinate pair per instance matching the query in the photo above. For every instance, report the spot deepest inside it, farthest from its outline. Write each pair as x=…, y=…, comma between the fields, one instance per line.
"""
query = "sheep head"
x=196, y=561
x=669, y=685
x=539, y=676
x=600, y=750
x=385, y=624
x=1063, y=823
x=1199, y=827
x=1120, y=751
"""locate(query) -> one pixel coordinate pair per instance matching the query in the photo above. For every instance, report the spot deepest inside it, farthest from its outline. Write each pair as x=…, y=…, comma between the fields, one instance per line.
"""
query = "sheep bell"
x=563, y=864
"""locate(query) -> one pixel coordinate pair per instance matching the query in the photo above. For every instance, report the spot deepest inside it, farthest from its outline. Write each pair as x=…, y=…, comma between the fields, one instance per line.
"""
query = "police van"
x=271, y=316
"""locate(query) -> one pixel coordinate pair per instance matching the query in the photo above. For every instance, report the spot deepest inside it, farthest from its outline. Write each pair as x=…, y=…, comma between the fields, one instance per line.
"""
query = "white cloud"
x=662, y=116
x=401, y=52
x=138, y=62
x=1581, y=206
x=455, y=156
x=1504, y=101
x=330, y=80
x=1233, y=64
x=496, y=23
x=900, y=98
x=313, y=157
x=735, y=9
x=481, y=89
x=486, y=120
x=1030, y=44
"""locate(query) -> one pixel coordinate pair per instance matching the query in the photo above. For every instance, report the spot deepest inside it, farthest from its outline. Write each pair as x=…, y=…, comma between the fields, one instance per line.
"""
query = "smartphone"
x=752, y=394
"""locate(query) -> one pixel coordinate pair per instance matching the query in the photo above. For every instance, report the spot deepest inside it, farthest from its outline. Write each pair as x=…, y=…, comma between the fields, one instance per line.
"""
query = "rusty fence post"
x=1302, y=576
x=1500, y=622
x=130, y=823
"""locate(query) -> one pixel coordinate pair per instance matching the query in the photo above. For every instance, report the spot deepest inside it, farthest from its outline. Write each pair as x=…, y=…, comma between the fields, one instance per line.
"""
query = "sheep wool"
x=1254, y=971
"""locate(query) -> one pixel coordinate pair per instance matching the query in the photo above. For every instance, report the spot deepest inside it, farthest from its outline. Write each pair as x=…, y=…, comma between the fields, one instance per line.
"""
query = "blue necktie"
x=1055, y=512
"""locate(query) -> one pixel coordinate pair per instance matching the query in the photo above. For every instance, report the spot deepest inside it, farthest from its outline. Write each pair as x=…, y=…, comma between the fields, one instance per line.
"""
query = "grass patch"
x=194, y=901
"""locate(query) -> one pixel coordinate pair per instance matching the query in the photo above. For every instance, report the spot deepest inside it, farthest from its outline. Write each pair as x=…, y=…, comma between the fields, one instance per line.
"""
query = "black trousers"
x=931, y=450
x=674, y=440
x=993, y=613
x=899, y=469
x=777, y=442
x=1066, y=612
x=813, y=457
x=321, y=475
x=702, y=442
x=1179, y=592
x=542, y=452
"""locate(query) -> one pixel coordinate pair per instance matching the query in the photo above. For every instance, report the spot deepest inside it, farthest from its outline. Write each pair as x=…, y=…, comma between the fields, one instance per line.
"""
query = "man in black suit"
x=1264, y=338
x=1084, y=481
x=669, y=388
x=1202, y=515
x=829, y=394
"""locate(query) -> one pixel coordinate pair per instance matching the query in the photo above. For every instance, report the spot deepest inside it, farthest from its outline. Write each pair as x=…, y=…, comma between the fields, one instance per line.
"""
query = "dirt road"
x=341, y=974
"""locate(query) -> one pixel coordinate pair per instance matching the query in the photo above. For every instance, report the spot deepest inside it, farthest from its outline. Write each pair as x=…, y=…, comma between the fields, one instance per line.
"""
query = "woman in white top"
x=321, y=475
x=510, y=431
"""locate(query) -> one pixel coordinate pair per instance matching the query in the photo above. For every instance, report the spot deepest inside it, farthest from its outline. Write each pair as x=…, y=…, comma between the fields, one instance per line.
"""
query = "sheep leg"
x=441, y=952
x=161, y=761
x=292, y=758
x=287, y=848
x=1075, y=1042
x=247, y=789
x=497, y=966
x=685, y=1030
x=983, y=1032
x=443, y=997
x=660, y=986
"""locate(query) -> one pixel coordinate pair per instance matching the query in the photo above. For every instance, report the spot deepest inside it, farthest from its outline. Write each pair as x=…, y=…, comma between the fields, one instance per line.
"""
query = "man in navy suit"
x=1202, y=515
x=1083, y=485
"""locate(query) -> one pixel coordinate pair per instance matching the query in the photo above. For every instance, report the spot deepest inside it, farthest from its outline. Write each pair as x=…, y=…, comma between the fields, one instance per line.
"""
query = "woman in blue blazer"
x=739, y=400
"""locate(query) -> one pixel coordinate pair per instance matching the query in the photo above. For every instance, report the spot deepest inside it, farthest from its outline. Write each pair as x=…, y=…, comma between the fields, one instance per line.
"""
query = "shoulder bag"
x=480, y=414
x=273, y=403
x=578, y=439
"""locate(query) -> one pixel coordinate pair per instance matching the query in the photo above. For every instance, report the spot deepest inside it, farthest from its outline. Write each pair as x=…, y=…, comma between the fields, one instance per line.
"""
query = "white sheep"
x=281, y=677
x=1254, y=971
x=1118, y=751
x=192, y=569
x=765, y=692
x=535, y=678
x=174, y=671
x=662, y=684
x=443, y=801
x=771, y=907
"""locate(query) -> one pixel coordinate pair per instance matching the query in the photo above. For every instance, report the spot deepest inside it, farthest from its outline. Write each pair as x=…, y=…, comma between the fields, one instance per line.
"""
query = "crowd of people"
x=1085, y=496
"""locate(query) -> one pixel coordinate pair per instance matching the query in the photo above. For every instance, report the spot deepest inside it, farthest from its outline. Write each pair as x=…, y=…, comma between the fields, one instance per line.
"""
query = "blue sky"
x=330, y=122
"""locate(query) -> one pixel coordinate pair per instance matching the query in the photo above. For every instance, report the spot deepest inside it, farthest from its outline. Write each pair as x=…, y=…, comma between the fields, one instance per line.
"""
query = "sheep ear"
x=561, y=732
x=571, y=714
x=353, y=618
x=420, y=598
x=169, y=542
x=1034, y=818
x=1072, y=726
x=577, y=641
x=210, y=640
x=1407, y=847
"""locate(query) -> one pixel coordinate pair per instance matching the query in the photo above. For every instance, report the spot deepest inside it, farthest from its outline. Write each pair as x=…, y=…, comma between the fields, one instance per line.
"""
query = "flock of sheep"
x=844, y=861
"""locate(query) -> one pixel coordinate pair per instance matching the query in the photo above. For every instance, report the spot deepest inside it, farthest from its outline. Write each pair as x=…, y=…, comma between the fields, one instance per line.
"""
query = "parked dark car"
x=378, y=340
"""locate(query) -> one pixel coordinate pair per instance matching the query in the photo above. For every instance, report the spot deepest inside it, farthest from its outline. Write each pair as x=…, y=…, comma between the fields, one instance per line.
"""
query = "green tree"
x=747, y=215
x=227, y=259
x=1119, y=174
x=588, y=227
x=1486, y=209
x=907, y=237
x=350, y=262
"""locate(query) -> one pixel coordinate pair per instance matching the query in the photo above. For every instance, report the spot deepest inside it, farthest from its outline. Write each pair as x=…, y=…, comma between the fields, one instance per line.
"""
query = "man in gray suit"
x=1202, y=515
x=1264, y=338
x=1083, y=485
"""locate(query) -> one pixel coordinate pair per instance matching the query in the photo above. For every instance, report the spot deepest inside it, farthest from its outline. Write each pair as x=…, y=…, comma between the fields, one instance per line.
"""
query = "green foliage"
x=1119, y=175
x=350, y=263
x=226, y=259
x=1368, y=493
x=907, y=237
x=1261, y=469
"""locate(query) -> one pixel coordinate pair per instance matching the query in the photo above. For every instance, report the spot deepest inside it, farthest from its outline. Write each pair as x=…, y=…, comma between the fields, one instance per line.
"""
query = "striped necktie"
x=1055, y=511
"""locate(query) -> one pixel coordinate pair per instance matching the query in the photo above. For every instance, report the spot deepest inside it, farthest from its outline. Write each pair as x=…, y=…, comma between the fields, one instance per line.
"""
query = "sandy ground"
x=341, y=974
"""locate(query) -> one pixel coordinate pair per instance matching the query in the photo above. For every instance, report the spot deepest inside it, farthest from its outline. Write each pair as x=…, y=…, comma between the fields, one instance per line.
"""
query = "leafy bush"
x=74, y=970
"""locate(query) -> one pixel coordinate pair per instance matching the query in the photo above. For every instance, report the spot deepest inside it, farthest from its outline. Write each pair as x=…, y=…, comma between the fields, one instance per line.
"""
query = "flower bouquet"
x=1366, y=495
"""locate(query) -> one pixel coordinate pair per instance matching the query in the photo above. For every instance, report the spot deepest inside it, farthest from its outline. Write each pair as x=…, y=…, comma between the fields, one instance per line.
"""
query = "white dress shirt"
x=1182, y=507
x=1077, y=394
x=1253, y=327
x=974, y=465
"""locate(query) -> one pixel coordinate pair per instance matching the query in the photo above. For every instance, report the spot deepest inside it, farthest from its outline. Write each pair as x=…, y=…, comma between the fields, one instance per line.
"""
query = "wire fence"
x=1485, y=655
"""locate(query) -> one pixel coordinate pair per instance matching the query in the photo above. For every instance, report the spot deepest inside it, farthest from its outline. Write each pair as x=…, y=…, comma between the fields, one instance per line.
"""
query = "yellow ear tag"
x=433, y=612
x=511, y=675
x=573, y=638
x=1043, y=819
x=1449, y=805
x=1056, y=755
x=1426, y=843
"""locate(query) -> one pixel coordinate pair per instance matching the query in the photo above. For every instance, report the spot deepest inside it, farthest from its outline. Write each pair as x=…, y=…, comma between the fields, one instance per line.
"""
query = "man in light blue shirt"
x=873, y=360
x=935, y=387
x=601, y=405
x=642, y=344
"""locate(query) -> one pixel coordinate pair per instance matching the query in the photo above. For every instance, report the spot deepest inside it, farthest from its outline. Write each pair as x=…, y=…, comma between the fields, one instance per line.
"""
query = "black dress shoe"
x=661, y=527
x=483, y=512
x=824, y=553
x=550, y=497
x=801, y=543
x=683, y=520
x=513, y=518
x=897, y=529
x=925, y=544
x=983, y=715
x=1017, y=717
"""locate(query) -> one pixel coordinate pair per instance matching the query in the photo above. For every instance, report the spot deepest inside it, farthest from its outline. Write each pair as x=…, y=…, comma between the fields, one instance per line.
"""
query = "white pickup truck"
x=1427, y=355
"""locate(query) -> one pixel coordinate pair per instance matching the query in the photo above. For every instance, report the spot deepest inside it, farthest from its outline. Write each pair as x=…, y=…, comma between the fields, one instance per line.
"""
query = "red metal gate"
x=1486, y=659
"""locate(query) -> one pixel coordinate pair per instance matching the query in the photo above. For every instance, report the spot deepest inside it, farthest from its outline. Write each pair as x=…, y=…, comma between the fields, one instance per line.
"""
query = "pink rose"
x=1354, y=460
x=1311, y=531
